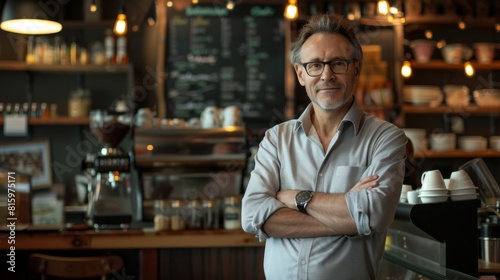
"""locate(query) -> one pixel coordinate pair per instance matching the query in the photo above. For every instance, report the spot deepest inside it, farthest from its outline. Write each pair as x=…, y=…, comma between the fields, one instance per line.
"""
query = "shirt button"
x=303, y=262
x=320, y=174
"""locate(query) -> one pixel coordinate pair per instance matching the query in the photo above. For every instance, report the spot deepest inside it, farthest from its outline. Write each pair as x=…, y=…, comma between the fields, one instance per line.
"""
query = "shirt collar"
x=355, y=116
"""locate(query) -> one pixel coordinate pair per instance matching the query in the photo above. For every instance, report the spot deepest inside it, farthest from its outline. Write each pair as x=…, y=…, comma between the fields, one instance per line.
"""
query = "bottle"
x=73, y=53
x=97, y=53
x=232, y=212
x=30, y=52
x=38, y=50
x=57, y=50
x=121, y=50
x=109, y=47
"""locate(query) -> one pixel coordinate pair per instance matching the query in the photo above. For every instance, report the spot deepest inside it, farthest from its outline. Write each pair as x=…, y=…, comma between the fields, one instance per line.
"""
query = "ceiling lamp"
x=406, y=70
x=120, y=27
x=29, y=17
x=469, y=69
x=230, y=5
x=383, y=7
x=291, y=10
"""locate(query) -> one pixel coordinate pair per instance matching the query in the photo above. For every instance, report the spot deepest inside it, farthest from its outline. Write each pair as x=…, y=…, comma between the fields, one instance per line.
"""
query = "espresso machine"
x=110, y=194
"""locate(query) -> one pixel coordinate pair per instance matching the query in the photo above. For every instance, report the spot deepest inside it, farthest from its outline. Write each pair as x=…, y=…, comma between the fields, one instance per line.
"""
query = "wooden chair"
x=74, y=267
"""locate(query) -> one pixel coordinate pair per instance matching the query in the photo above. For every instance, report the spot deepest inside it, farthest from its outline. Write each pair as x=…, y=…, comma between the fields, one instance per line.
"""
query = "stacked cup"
x=404, y=190
x=461, y=186
x=433, y=187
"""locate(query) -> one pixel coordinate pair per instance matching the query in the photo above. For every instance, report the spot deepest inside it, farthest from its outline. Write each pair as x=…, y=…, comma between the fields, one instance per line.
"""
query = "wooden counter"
x=154, y=248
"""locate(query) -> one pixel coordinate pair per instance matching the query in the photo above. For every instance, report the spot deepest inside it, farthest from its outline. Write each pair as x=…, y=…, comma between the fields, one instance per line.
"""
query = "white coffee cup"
x=404, y=190
x=432, y=179
x=460, y=179
x=210, y=117
x=231, y=116
x=412, y=197
x=144, y=118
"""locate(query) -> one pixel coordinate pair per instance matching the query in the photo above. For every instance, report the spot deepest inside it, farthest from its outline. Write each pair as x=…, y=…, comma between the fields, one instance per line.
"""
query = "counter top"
x=127, y=239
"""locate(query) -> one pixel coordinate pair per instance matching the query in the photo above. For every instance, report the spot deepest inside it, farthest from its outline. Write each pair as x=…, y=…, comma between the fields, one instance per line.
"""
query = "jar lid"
x=232, y=199
x=210, y=202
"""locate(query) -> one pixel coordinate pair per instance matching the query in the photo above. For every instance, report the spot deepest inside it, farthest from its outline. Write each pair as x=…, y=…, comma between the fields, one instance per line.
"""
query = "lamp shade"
x=31, y=17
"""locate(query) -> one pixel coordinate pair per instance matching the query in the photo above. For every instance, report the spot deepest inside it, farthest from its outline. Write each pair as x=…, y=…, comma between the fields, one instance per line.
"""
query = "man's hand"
x=287, y=197
x=369, y=182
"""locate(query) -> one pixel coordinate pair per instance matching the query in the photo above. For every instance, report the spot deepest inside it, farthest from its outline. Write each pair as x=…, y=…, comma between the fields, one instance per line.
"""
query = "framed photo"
x=31, y=158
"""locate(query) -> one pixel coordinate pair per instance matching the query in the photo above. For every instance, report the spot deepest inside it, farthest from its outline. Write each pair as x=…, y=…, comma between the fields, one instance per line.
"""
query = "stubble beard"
x=333, y=104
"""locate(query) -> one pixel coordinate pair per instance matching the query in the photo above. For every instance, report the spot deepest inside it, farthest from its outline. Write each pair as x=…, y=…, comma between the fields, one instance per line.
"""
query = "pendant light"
x=30, y=17
x=120, y=27
x=291, y=10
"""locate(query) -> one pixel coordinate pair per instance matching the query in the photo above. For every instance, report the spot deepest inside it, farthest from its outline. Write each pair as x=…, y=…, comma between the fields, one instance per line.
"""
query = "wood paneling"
x=212, y=263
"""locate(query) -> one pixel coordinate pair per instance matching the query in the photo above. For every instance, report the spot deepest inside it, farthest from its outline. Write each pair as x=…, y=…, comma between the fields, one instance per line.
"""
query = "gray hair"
x=326, y=23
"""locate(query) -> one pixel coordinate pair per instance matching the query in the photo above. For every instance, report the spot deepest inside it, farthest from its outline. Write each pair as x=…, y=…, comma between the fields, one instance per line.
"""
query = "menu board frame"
x=220, y=57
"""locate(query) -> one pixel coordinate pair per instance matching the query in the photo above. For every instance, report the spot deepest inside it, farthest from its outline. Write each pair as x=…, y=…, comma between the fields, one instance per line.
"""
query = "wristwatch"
x=301, y=200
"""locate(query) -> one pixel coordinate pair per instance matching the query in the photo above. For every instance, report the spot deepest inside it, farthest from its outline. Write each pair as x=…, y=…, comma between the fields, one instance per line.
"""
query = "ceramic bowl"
x=472, y=143
x=487, y=97
x=495, y=143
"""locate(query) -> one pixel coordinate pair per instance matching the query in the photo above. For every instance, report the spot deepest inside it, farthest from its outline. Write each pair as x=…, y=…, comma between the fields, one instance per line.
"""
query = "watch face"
x=303, y=196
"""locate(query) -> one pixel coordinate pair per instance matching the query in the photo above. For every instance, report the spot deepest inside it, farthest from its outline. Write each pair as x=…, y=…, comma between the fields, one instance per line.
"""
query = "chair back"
x=74, y=267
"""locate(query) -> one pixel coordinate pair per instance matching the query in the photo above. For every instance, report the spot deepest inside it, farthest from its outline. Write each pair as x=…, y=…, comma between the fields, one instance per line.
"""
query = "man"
x=325, y=186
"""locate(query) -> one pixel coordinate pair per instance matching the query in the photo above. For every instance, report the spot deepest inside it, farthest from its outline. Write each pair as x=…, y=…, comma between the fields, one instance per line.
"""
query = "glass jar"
x=162, y=218
x=211, y=212
x=232, y=212
x=176, y=219
x=79, y=103
x=193, y=214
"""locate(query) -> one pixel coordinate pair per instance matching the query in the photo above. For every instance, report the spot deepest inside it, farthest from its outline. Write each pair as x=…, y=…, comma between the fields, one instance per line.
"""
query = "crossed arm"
x=327, y=214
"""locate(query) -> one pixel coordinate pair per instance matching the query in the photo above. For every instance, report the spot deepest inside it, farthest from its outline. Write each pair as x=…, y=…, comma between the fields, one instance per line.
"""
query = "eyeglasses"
x=315, y=69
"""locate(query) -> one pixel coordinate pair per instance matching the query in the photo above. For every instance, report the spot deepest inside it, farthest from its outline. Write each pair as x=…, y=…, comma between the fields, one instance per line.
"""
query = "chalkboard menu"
x=226, y=57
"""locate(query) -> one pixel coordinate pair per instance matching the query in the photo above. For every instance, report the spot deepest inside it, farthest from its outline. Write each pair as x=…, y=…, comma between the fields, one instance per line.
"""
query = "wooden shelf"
x=456, y=154
x=468, y=110
x=56, y=121
x=451, y=20
x=21, y=66
x=442, y=65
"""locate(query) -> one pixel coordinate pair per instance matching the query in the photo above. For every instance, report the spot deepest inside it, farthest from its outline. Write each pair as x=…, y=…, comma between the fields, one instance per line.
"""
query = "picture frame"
x=31, y=158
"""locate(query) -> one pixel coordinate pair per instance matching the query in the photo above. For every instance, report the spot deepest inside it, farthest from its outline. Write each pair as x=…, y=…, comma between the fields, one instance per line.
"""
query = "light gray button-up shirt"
x=291, y=157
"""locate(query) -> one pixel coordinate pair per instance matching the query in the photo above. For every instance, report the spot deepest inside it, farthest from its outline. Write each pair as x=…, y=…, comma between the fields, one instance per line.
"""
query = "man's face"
x=328, y=90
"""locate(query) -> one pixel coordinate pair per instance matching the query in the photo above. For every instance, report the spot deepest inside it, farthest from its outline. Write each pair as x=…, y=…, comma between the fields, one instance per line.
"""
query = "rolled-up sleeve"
x=373, y=210
x=259, y=201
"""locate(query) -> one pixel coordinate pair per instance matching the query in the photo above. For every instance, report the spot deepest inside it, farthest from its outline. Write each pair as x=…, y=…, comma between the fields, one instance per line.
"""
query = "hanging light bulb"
x=469, y=69
x=406, y=70
x=170, y=3
x=93, y=6
x=428, y=34
x=230, y=5
x=462, y=25
x=383, y=7
x=194, y=2
x=121, y=22
x=291, y=10
x=497, y=27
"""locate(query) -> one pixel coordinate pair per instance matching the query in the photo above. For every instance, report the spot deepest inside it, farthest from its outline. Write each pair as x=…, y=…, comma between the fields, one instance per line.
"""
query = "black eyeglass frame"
x=329, y=65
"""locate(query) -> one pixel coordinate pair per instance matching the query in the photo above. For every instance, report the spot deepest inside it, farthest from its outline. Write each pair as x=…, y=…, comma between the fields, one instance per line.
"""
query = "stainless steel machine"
x=111, y=196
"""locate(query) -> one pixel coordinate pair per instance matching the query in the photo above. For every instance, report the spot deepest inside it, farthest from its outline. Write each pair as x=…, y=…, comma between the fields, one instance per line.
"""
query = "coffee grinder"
x=110, y=192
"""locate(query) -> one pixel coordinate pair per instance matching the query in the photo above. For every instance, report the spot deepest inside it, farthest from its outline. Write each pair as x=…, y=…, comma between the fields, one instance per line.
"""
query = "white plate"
x=459, y=197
